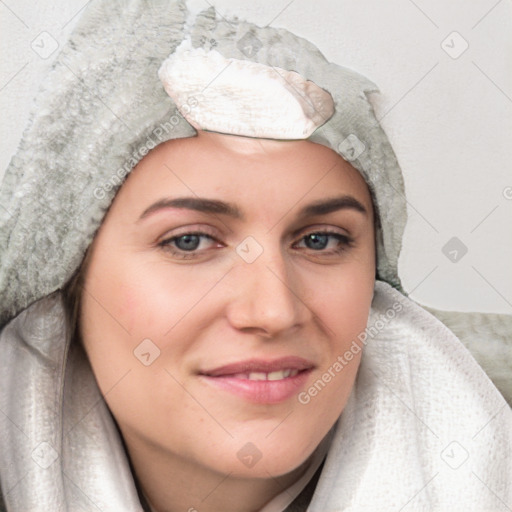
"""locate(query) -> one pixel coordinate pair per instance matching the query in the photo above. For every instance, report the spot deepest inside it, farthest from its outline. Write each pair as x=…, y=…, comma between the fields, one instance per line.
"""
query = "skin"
x=208, y=307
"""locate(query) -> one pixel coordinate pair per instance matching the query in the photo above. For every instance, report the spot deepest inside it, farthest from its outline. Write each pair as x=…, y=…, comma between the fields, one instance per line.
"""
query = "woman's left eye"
x=323, y=241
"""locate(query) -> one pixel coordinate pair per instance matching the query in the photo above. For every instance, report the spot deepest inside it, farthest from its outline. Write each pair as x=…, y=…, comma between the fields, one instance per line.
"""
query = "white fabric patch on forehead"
x=241, y=97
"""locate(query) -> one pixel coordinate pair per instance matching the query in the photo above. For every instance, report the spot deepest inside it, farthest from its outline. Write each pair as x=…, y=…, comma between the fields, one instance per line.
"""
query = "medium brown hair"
x=72, y=294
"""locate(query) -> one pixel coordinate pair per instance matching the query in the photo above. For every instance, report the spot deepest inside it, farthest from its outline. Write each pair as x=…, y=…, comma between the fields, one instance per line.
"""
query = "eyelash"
x=345, y=242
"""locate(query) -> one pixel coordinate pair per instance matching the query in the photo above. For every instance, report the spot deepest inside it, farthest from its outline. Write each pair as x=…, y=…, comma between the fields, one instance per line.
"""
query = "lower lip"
x=261, y=391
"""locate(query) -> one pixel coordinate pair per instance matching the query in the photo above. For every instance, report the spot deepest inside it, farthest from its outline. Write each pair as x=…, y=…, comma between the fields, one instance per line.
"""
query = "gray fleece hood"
x=424, y=426
x=104, y=107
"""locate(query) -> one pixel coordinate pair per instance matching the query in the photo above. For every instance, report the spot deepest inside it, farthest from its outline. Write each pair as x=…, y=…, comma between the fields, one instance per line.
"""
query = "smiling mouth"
x=262, y=382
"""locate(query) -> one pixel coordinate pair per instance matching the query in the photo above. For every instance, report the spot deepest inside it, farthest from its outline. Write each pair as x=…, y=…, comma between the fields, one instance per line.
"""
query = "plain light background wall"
x=444, y=71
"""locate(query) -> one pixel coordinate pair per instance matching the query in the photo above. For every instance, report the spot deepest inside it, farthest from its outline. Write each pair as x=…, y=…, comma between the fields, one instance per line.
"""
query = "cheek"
x=129, y=300
x=351, y=304
x=342, y=304
x=128, y=311
x=342, y=299
x=140, y=297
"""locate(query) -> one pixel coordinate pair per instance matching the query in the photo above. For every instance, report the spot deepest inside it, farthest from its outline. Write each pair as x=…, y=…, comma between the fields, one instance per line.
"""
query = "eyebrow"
x=214, y=206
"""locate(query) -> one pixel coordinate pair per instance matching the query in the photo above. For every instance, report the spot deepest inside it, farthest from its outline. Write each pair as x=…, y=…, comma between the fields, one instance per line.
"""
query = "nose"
x=266, y=298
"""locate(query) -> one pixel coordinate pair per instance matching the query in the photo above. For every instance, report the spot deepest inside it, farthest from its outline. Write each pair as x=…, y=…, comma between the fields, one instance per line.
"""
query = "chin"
x=270, y=466
x=266, y=456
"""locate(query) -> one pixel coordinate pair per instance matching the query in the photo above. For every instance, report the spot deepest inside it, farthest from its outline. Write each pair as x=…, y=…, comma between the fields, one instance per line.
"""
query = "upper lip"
x=260, y=365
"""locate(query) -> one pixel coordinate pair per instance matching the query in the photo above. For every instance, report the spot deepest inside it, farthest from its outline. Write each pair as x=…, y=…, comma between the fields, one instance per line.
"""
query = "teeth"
x=257, y=376
x=282, y=374
x=277, y=375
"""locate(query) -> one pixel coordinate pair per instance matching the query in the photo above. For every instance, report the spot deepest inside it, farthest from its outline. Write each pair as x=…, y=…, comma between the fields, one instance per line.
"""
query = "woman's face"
x=225, y=286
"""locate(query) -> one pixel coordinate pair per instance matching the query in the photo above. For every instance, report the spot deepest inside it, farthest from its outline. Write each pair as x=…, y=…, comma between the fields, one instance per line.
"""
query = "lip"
x=260, y=365
x=228, y=378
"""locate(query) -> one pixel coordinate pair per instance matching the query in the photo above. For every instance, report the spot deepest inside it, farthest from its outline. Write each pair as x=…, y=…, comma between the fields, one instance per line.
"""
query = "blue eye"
x=319, y=241
x=187, y=245
x=187, y=242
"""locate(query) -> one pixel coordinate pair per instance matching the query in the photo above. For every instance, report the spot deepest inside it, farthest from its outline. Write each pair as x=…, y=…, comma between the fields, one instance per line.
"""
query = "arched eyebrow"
x=325, y=206
x=198, y=204
x=217, y=207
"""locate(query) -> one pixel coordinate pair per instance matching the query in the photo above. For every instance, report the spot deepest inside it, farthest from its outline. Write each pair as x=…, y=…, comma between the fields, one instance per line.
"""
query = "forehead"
x=246, y=169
